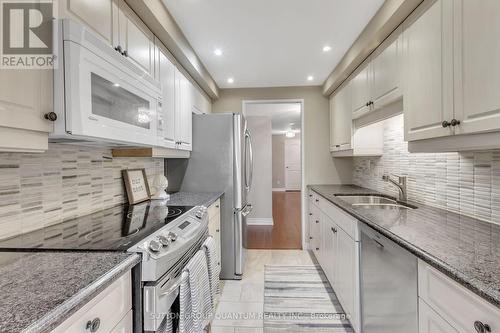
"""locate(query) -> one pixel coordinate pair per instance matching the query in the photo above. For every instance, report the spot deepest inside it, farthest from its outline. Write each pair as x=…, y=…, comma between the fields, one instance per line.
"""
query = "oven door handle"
x=176, y=284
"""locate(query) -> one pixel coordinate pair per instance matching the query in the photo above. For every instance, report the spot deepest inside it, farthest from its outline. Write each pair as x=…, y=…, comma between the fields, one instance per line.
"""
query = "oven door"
x=159, y=297
x=104, y=100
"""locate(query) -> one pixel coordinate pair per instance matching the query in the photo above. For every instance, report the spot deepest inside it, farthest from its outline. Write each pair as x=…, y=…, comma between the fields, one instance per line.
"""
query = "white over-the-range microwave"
x=99, y=96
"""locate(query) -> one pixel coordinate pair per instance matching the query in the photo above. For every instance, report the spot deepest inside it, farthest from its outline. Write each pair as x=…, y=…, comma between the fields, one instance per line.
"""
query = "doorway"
x=276, y=221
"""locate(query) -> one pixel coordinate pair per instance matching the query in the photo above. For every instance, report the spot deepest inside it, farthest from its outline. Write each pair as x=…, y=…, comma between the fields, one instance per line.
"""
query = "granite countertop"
x=193, y=198
x=464, y=248
x=41, y=290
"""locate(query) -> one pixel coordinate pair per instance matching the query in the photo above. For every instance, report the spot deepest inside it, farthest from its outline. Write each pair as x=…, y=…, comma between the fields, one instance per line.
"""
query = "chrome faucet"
x=400, y=184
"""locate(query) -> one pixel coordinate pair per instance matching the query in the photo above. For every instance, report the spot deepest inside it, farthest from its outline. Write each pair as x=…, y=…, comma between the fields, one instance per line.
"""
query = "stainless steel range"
x=166, y=237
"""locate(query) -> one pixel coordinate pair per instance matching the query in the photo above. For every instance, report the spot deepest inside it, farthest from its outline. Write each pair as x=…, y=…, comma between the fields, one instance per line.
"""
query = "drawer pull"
x=217, y=230
x=317, y=249
x=317, y=200
x=216, y=206
x=93, y=325
x=334, y=230
x=481, y=328
x=317, y=221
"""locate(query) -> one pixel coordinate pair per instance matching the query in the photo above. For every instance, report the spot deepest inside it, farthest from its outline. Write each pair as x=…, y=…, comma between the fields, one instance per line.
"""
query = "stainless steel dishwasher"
x=388, y=285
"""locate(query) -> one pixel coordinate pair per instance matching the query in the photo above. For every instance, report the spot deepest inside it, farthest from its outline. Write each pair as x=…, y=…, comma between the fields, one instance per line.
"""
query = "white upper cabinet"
x=23, y=126
x=341, y=120
x=183, y=111
x=135, y=40
x=96, y=15
x=428, y=71
x=166, y=117
x=360, y=86
x=386, y=72
x=477, y=65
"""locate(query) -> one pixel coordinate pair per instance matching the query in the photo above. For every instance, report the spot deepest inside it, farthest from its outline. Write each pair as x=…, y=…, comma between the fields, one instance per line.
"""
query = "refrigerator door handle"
x=249, y=166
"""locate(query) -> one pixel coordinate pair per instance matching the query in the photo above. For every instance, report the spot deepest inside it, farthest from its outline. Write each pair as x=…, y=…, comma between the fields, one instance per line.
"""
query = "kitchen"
x=126, y=166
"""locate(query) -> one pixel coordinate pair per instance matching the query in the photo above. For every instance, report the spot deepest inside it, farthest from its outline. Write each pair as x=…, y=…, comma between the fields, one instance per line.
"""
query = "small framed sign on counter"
x=136, y=185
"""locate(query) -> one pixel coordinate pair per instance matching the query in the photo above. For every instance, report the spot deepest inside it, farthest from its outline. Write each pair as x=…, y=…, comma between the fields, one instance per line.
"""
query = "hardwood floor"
x=286, y=231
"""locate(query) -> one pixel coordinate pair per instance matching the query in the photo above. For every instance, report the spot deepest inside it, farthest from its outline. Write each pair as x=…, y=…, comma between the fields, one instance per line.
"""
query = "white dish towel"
x=195, y=298
x=213, y=267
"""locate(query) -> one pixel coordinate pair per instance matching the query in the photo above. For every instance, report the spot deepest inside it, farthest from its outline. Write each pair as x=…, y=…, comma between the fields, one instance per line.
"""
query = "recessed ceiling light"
x=116, y=84
x=218, y=52
x=326, y=48
x=230, y=80
x=310, y=78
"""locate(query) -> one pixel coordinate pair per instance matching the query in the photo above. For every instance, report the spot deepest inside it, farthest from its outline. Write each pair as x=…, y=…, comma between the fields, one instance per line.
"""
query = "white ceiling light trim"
x=218, y=52
x=327, y=48
x=310, y=78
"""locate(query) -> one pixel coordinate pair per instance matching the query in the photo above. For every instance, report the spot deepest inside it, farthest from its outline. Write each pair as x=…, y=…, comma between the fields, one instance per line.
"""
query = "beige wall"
x=320, y=167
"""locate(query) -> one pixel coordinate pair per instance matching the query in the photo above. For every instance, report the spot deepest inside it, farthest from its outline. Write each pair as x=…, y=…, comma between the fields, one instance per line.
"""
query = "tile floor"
x=241, y=303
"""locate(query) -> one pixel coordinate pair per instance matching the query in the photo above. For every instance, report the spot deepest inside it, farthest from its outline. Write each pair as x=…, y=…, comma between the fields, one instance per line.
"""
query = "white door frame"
x=303, y=193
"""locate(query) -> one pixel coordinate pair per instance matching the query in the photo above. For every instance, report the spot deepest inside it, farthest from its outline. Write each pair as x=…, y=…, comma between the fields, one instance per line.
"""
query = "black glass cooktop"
x=113, y=229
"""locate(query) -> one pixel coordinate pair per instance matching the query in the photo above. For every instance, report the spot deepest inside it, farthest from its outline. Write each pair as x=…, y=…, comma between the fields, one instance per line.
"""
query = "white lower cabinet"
x=337, y=251
x=462, y=309
x=126, y=325
x=214, y=226
x=430, y=322
x=109, y=312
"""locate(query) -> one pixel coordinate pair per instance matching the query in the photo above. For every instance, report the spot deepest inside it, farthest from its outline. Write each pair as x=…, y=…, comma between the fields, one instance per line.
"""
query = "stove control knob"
x=172, y=236
x=154, y=246
x=164, y=240
x=199, y=214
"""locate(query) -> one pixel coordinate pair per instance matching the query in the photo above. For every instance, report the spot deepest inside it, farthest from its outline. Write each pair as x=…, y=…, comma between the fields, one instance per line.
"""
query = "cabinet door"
x=135, y=38
x=329, y=235
x=345, y=283
x=341, y=120
x=360, y=90
x=20, y=110
x=183, y=127
x=125, y=325
x=96, y=15
x=477, y=61
x=430, y=322
x=166, y=118
x=386, y=67
x=428, y=70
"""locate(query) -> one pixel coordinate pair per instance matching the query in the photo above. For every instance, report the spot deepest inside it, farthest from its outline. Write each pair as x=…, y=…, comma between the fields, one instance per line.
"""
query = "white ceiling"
x=268, y=43
x=284, y=116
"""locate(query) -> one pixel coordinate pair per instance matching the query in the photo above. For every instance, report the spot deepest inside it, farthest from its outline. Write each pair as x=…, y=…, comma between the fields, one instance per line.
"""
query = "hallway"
x=286, y=231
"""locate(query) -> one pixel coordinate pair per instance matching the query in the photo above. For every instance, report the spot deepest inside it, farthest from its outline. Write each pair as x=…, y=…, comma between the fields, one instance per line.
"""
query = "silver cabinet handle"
x=481, y=328
x=93, y=325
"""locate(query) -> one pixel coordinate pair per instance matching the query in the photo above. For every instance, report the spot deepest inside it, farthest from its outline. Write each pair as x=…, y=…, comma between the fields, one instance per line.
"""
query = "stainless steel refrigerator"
x=222, y=160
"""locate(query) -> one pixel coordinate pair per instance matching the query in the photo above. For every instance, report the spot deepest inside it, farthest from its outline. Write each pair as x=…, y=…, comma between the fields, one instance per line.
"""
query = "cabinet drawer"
x=110, y=307
x=348, y=223
x=430, y=322
x=214, y=209
x=457, y=305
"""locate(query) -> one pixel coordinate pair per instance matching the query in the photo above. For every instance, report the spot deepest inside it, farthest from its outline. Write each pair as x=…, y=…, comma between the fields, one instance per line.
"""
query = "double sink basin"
x=373, y=201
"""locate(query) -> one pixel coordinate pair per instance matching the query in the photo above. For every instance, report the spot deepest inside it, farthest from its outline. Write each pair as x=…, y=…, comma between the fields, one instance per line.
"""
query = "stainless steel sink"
x=366, y=199
x=383, y=206
x=373, y=201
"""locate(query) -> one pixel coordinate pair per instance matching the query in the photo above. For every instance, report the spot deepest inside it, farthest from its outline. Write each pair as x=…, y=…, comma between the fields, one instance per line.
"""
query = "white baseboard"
x=279, y=189
x=260, y=221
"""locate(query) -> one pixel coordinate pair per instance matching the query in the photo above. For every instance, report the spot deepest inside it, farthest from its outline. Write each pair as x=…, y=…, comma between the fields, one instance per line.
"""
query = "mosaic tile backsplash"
x=467, y=183
x=67, y=181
